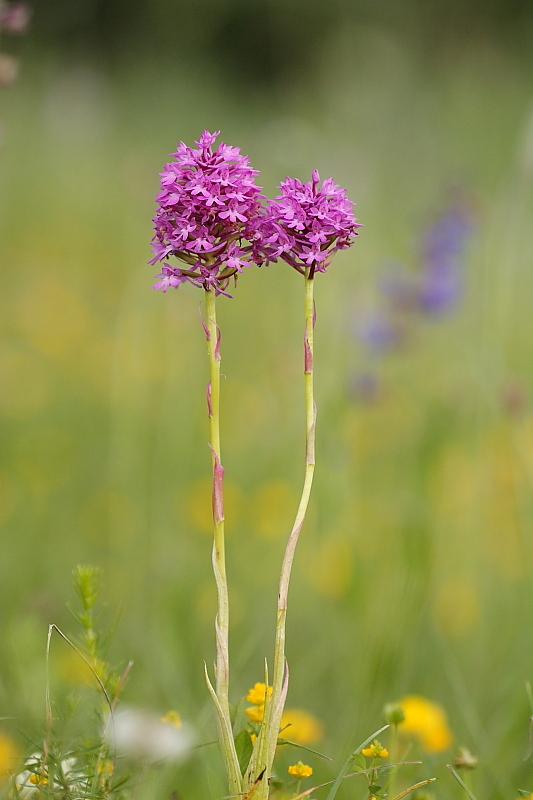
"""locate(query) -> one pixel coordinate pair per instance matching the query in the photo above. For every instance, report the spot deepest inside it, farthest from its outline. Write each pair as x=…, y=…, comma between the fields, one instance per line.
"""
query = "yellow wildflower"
x=258, y=693
x=9, y=755
x=198, y=505
x=274, y=503
x=171, y=718
x=38, y=780
x=303, y=727
x=255, y=713
x=427, y=721
x=105, y=771
x=376, y=750
x=456, y=607
x=300, y=770
x=74, y=670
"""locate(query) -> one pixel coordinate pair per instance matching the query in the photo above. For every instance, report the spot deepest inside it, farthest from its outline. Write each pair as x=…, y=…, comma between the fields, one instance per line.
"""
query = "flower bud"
x=464, y=759
x=393, y=713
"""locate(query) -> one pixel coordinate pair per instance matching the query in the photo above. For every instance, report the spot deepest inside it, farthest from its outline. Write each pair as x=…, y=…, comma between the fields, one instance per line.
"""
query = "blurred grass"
x=414, y=570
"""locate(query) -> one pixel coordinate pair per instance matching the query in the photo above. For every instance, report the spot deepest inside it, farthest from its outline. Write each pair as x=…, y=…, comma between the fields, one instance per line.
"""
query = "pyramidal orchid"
x=212, y=218
x=207, y=201
x=304, y=226
x=307, y=223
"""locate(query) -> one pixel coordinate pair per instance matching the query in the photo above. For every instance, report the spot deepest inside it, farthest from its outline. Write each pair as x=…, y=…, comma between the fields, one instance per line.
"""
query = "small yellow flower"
x=172, y=718
x=303, y=727
x=427, y=721
x=376, y=750
x=74, y=670
x=258, y=694
x=300, y=770
x=38, y=780
x=105, y=771
x=255, y=713
x=9, y=755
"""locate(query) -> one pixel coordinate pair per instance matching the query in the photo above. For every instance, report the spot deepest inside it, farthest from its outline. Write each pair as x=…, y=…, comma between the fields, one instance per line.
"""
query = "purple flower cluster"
x=206, y=207
x=211, y=217
x=306, y=224
x=14, y=16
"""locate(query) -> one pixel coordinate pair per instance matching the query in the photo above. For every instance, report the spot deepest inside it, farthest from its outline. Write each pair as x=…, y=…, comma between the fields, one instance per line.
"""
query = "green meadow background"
x=414, y=571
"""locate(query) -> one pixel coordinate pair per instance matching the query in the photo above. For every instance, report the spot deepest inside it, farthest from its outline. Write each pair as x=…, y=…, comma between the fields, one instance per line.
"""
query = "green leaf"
x=244, y=747
x=359, y=761
x=382, y=769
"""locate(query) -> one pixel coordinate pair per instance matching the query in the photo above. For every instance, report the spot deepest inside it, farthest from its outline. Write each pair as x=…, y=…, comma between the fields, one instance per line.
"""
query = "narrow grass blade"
x=337, y=782
x=413, y=787
x=461, y=782
x=51, y=629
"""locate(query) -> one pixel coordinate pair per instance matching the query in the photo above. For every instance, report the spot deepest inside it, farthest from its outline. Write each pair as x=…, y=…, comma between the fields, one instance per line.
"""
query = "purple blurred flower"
x=306, y=224
x=440, y=288
x=207, y=210
x=14, y=16
x=441, y=280
x=446, y=237
x=514, y=397
x=399, y=287
x=365, y=387
x=378, y=331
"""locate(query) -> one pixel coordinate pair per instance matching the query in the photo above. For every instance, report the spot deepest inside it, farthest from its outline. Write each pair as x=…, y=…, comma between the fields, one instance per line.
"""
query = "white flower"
x=139, y=734
x=30, y=780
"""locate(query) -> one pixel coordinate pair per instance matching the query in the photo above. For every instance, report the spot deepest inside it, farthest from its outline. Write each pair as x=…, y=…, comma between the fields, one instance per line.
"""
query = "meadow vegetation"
x=413, y=577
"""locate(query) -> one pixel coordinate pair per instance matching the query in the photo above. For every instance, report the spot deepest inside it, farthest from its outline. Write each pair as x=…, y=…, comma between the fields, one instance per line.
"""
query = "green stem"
x=394, y=757
x=371, y=782
x=221, y=690
x=219, y=554
x=265, y=749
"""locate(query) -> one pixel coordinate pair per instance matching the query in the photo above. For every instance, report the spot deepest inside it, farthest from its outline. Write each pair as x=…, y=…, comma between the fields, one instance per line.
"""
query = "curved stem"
x=263, y=758
x=221, y=689
x=219, y=555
